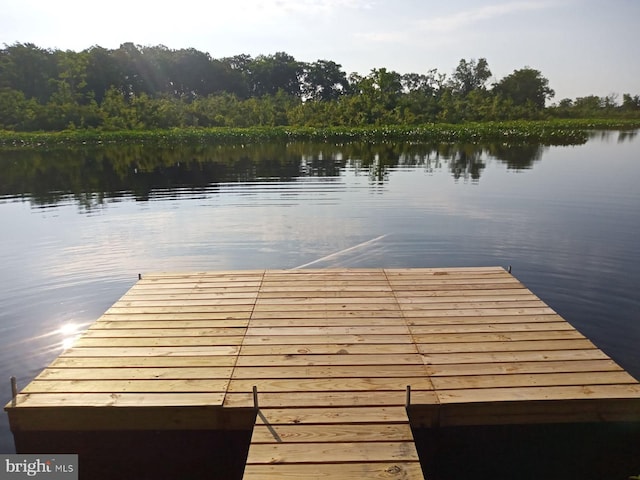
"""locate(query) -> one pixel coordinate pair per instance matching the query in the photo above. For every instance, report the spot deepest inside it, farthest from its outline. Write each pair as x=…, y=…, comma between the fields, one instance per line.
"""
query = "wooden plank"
x=303, y=340
x=175, y=342
x=484, y=280
x=465, y=272
x=180, y=309
x=181, y=294
x=185, y=303
x=270, y=285
x=490, y=328
x=145, y=362
x=126, y=386
x=478, y=312
x=532, y=380
x=378, y=470
x=329, y=349
x=505, y=346
x=328, y=399
x=325, y=307
x=512, y=296
x=328, y=275
x=195, y=289
x=248, y=283
x=101, y=331
x=197, y=278
x=327, y=331
x=276, y=453
x=464, y=305
x=456, y=286
x=221, y=325
x=604, y=365
x=111, y=399
x=483, y=320
x=337, y=363
x=352, y=384
x=305, y=314
x=322, y=293
x=203, y=274
x=497, y=337
x=525, y=394
x=171, y=316
x=476, y=293
x=128, y=373
x=324, y=271
x=183, y=351
x=542, y=355
x=303, y=289
x=331, y=371
x=332, y=433
x=305, y=301
x=334, y=415
x=324, y=321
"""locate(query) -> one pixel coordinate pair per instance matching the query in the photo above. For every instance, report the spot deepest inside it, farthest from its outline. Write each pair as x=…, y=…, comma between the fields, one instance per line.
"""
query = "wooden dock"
x=331, y=353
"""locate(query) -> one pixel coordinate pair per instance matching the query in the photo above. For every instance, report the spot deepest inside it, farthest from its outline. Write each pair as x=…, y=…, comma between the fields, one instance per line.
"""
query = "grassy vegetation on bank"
x=549, y=132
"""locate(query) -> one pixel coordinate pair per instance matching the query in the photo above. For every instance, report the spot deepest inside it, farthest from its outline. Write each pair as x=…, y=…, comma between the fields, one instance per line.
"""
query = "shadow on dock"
x=585, y=451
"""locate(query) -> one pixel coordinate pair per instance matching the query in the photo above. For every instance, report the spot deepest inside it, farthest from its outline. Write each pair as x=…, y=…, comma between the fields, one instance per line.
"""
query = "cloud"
x=439, y=27
x=382, y=37
x=316, y=6
x=456, y=21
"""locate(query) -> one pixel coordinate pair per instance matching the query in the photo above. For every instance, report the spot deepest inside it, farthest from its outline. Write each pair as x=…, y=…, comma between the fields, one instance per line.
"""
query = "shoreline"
x=553, y=132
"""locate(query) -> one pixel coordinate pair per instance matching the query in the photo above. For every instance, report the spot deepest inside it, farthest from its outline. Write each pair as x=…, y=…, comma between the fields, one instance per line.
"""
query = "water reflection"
x=620, y=136
x=52, y=342
x=91, y=176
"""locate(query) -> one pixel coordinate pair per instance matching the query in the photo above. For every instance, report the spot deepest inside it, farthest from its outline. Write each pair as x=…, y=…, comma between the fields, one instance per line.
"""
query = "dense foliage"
x=139, y=88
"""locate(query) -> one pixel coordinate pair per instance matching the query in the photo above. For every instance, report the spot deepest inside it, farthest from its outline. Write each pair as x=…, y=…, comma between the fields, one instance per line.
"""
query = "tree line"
x=150, y=87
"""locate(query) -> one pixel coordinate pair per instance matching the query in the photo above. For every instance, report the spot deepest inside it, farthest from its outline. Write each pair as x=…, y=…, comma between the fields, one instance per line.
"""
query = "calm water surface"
x=78, y=226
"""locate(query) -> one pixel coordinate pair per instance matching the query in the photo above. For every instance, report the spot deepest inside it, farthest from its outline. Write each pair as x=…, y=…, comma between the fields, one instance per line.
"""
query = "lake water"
x=78, y=225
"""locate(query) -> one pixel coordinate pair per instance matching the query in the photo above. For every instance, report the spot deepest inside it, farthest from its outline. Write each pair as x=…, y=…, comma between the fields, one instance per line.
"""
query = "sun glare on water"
x=69, y=332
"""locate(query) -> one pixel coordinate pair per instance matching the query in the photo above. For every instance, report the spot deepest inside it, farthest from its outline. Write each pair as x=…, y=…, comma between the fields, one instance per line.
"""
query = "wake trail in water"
x=346, y=250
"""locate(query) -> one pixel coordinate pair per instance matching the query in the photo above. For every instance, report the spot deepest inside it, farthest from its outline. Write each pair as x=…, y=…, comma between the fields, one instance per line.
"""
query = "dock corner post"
x=509, y=269
x=14, y=391
x=255, y=398
x=139, y=276
x=407, y=402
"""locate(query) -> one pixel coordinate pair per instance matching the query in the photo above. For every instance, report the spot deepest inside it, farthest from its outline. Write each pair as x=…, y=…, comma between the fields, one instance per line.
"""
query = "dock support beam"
x=14, y=391
x=255, y=398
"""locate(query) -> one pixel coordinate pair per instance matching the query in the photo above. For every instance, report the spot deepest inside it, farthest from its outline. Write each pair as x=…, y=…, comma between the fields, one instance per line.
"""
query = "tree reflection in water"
x=90, y=176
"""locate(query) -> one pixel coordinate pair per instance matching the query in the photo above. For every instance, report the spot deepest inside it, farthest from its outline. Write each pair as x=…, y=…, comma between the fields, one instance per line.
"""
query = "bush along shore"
x=553, y=132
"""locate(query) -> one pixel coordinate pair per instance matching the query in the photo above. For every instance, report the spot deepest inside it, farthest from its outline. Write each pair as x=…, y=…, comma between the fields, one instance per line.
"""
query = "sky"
x=583, y=47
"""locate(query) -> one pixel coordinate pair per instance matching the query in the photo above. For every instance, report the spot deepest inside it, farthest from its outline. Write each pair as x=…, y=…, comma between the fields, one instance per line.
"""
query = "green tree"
x=271, y=73
x=28, y=68
x=524, y=86
x=324, y=80
x=13, y=108
x=118, y=113
x=470, y=75
x=588, y=106
x=630, y=103
x=103, y=72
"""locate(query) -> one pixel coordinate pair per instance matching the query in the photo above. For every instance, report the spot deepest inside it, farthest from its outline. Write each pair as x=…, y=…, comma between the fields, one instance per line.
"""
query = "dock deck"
x=331, y=353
